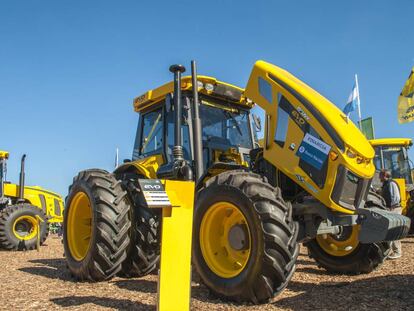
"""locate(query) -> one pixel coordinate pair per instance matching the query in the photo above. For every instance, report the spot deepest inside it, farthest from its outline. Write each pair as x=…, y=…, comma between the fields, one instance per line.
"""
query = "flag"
x=367, y=128
x=406, y=100
x=352, y=103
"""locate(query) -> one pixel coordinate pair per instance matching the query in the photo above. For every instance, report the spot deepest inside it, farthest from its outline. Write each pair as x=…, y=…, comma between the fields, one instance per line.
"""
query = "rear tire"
x=143, y=254
x=96, y=225
x=18, y=227
x=364, y=258
x=273, y=249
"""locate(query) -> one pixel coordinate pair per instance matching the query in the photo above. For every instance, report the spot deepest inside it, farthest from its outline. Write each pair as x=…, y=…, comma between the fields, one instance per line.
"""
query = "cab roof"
x=407, y=142
x=220, y=90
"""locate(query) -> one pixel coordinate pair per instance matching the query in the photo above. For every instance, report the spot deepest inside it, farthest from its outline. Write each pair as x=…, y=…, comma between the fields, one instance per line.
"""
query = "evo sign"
x=313, y=151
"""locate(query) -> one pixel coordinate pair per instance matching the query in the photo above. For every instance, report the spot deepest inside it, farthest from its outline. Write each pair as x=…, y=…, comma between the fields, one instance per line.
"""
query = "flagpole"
x=359, y=103
x=116, y=158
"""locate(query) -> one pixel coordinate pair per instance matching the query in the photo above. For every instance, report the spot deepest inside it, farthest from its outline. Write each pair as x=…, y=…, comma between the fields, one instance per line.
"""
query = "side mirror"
x=257, y=123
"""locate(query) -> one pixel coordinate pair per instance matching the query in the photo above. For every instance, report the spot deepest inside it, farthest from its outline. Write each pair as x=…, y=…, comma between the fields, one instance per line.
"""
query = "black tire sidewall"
x=364, y=259
x=82, y=266
x=223, y=193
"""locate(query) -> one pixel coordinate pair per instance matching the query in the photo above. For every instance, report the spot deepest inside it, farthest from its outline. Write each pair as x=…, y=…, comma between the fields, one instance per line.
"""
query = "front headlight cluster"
x=209, y=87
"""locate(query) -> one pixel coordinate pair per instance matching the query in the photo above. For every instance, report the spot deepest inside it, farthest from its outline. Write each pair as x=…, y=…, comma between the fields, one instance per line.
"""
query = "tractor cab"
x=226, y=123
x=392, y=154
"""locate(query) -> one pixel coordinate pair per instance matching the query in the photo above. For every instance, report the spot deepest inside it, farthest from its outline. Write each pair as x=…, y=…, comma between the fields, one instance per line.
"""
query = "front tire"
x=21, y=225
x=334, y=257
x=344, y=254
x=96, y=225
x=244, y=237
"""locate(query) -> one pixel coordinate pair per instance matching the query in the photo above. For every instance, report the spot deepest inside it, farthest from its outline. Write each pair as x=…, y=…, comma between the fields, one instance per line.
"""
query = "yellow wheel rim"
x=342, y=244
x=225, y=239
x=79, y=226
x=25, y=227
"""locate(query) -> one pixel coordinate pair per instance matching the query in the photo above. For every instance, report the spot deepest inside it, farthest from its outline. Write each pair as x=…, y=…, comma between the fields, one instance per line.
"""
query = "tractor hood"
x=342, y=130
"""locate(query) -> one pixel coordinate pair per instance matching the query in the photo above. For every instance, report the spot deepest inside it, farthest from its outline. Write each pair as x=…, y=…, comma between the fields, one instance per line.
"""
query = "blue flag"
x=352, y=103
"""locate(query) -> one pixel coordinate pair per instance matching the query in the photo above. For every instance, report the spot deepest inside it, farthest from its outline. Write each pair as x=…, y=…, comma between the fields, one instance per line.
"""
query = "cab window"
x=152, y=133
x=185, y=136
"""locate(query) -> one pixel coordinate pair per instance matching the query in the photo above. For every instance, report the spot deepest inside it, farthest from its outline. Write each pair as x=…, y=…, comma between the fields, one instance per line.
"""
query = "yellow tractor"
x=25, y=211
x=392, y=154
x=309, y=183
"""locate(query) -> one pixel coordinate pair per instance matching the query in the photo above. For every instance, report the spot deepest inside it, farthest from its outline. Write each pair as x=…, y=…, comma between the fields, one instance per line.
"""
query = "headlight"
x=350, y=154
x=209, y=87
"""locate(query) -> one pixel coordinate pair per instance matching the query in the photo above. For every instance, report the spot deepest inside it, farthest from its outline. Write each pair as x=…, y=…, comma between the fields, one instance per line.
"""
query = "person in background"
x=391, y=194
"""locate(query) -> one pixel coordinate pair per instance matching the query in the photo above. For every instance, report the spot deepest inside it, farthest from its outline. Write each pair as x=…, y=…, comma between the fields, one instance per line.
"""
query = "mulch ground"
x=40, y=281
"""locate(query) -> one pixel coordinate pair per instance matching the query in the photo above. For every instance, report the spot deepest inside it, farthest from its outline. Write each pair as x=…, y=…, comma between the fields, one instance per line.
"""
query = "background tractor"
x=25, y=211
x=392, y=154
x=309, y=183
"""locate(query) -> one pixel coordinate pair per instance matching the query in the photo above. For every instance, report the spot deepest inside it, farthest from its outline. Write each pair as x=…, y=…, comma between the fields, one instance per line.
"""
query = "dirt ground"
x=40, y=280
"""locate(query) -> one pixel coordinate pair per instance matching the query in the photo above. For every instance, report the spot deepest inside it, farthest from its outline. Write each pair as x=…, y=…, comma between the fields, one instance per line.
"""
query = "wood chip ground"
x=40, y=281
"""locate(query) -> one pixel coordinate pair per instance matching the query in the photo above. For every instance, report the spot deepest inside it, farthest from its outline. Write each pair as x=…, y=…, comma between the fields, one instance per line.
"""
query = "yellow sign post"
x=174, y=283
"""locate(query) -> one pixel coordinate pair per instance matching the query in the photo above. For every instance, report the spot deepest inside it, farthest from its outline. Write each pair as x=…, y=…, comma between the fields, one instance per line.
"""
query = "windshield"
x=393, y=158
x=229, y=125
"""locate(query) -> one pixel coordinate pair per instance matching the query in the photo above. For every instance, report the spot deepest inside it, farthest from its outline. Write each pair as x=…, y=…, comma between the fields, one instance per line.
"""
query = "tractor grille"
x=350, y=190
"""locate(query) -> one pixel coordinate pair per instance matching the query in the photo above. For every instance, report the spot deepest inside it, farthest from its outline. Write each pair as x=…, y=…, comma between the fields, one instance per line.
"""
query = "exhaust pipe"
x=198, y=139
x=178, y=168
x=21, y=180
x=178, y=147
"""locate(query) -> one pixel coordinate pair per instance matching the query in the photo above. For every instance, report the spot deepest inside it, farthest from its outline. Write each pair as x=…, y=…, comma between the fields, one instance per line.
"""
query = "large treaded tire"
x=143, y=253
x=110, y=226
x=274, y=249
x=364, y=259
x=8, y=216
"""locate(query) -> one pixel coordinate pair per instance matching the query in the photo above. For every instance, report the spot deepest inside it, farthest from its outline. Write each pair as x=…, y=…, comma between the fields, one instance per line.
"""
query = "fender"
x=215, y=169
x=146, y=167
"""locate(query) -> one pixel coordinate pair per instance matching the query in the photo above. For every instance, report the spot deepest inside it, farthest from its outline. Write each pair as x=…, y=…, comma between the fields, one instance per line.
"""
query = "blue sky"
x=69, y=70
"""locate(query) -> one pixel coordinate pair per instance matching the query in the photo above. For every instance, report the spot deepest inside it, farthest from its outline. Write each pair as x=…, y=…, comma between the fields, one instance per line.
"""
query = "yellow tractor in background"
x=25, y=211
x=308, y=183
x=392, y=154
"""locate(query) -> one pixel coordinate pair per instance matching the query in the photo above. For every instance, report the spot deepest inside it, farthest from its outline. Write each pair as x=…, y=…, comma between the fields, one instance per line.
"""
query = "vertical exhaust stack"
x=178, y=168
x=198, y=140
x=21, y=180
x=178, y=146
